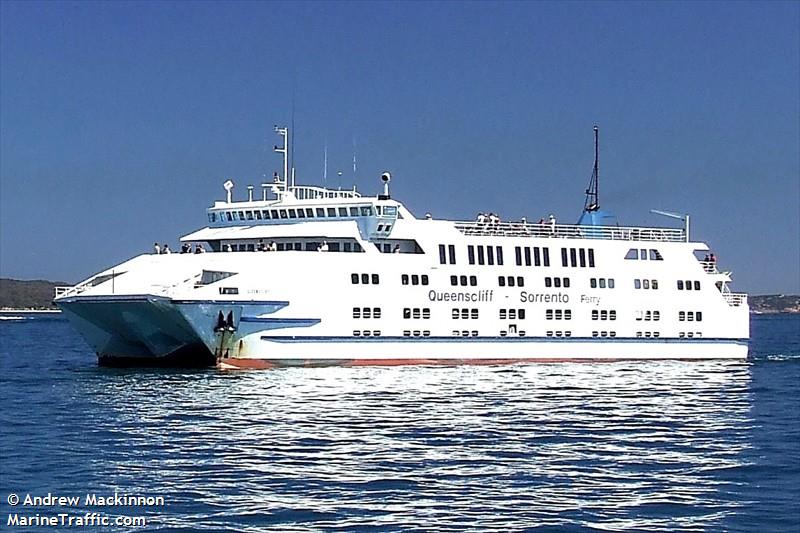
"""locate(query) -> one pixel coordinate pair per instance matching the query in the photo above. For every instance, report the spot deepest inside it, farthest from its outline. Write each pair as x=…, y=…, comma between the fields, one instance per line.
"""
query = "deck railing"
x=571, y=231
x=710, y=267
x=735, y=299
x=306, y=192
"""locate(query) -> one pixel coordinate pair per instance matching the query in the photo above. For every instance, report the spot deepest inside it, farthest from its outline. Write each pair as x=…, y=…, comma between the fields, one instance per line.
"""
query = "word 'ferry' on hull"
x=310, y=276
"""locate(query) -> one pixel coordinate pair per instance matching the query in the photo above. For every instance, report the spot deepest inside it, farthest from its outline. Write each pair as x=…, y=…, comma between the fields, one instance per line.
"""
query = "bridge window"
x=332, y=212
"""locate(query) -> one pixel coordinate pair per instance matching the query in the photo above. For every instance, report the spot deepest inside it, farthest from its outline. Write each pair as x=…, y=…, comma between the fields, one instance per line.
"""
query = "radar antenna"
x=592, y=202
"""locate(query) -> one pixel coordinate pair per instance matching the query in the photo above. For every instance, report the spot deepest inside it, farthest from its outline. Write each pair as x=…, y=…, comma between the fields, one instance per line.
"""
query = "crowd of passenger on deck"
x=543, y=225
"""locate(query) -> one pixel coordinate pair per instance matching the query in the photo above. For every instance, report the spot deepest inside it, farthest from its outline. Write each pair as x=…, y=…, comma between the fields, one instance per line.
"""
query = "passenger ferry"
x=312, y=276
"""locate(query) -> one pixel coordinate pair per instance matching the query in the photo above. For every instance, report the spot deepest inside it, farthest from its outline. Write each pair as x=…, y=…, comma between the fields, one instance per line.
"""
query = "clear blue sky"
x=120, y=121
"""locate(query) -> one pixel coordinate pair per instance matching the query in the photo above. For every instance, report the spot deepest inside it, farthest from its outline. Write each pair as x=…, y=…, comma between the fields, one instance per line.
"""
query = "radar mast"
x=592, y=202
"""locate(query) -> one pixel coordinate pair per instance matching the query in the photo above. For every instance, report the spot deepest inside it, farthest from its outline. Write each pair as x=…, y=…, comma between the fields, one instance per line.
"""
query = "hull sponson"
x=142, y=330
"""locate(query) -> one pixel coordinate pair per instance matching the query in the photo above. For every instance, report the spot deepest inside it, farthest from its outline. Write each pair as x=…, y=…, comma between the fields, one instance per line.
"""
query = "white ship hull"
x=290, y=352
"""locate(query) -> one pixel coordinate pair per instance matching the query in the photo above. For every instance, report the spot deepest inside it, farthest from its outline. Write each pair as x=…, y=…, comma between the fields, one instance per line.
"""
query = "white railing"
x=571, y=231
x=735, y=299
x=305, y=192
x=69, y=291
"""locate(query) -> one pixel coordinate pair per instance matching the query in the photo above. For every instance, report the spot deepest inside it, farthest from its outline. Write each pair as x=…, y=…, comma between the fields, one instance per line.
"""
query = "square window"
x=501, y=280
x=473, y=281
x=375, y=279
x=453, y=280
x=424, y=279
x=365, y=278
x=354, y=279
x=404, y=279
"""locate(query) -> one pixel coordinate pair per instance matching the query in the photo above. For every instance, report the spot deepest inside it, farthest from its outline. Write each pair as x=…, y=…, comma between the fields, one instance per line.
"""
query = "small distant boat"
x=313, y=276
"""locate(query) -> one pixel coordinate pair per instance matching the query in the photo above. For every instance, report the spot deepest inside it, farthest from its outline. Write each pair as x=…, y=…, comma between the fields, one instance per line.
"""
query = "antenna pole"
x=284, y=132
x=325, y=170
x=597, y=166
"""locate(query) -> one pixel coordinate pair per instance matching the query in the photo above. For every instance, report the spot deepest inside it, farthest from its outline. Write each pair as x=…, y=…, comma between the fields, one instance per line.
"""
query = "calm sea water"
x=668, y=446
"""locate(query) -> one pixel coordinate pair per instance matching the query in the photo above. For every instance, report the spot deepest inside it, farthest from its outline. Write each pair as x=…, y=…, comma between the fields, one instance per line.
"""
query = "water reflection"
x=613, y=446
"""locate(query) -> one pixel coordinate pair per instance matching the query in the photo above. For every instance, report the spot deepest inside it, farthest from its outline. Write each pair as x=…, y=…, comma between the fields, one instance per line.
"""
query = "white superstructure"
x=305, y=275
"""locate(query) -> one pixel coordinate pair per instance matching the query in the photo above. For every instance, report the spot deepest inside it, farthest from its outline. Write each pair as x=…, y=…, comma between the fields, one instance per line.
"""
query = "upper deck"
x=572, y=231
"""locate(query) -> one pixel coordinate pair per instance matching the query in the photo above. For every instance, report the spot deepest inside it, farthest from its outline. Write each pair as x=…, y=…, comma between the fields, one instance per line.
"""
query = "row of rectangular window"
x=558, y=314
x=648, y=315
x=417, y=312
x=556, y=282
x=690, y=316
x=648, y=334
x=414, y=279
x=559, y=334
x=449, y=257
x=601, y=283
x=465, y=314
x=574, y=257
x=487, y=255
x=512, y=330
x=465, y=333
x=604, y=314
x=366, y=333
x=365, y=279
x=688, y=285
x=366, y=312
x=416, y=333
x=308, y=246
x=512, y=314
x=511, y=281
x=642, y=254
x=604, y=334
x=308, y=212
x=463, y=281
x=683, y=334
x=541, y=256
x=645, y=284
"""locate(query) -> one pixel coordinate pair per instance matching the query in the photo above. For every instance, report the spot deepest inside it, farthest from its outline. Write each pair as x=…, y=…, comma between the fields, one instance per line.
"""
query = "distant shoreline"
x=7, y=310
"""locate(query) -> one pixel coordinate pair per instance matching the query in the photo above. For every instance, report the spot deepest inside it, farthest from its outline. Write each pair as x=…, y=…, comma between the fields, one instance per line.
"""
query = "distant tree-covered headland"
x=27, y=294
x=38, y=294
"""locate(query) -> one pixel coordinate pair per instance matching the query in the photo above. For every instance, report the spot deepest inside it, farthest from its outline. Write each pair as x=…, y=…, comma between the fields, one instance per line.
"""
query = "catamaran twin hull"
x=310, y=276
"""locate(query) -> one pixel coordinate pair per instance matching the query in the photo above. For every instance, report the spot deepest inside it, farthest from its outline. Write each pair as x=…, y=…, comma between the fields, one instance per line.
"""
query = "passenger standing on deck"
x=323, y=247
x=552, y=221
x=272, y=246
x=165, y=249
x=156, y=248
x=199, y=249
x=396, y=249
